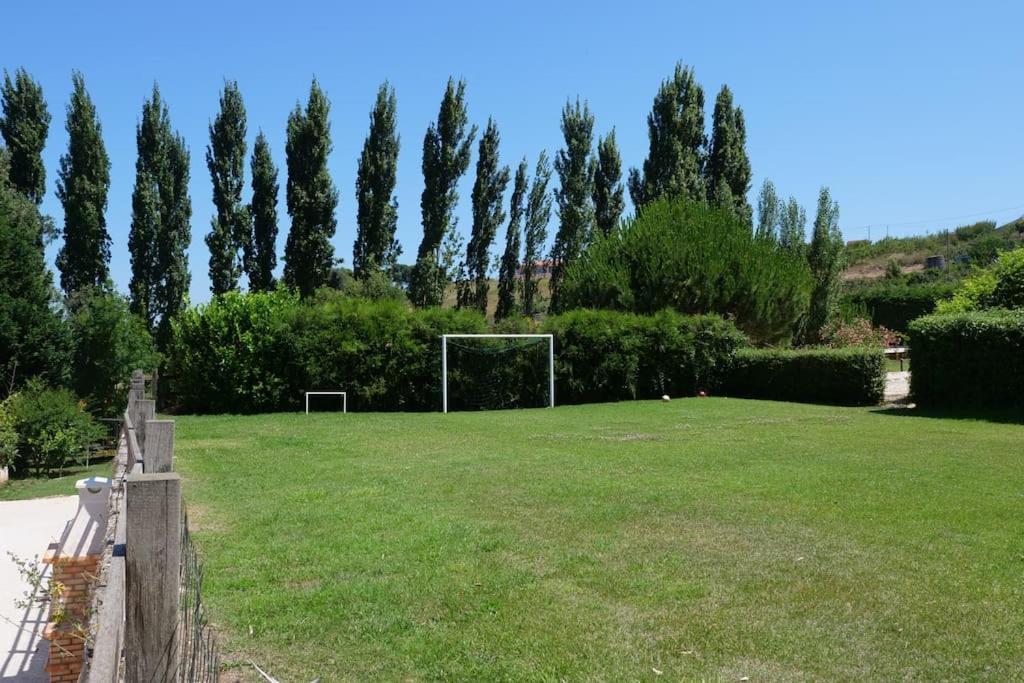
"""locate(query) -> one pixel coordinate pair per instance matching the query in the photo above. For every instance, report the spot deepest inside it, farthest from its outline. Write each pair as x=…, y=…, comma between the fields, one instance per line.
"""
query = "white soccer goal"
x=444, y=360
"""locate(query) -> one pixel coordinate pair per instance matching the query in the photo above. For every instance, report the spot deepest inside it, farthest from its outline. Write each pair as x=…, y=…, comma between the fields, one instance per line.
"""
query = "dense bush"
x=856, y=332
x=696, y=260
x=849, y=376
x=1001, y=285
x=44, y=430
x=968, y=359
x=109, y=342
x=248, y=353
x=234, y=355
x=610, y=356
x=893, y=304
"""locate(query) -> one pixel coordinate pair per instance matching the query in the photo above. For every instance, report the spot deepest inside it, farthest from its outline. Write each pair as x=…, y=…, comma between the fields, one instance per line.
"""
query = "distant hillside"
x=976, y=243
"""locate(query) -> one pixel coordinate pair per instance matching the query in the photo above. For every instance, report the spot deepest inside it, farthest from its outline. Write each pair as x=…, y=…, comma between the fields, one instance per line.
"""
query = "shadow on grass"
x=1000, y=415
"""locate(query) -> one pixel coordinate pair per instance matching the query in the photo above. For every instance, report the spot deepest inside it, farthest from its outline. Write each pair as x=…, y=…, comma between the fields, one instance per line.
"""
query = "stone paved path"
x=897, y=387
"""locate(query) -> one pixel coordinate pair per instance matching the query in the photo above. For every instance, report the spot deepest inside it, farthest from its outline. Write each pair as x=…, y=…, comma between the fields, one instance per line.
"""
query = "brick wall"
x=70, y=616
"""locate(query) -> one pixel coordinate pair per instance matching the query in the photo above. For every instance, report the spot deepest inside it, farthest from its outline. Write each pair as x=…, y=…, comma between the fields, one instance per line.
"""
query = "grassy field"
x=715, y=539
x=23, y=489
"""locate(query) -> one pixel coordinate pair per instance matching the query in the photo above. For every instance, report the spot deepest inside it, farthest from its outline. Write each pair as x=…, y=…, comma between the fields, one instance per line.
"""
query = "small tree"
x=574, y=195
x=825, y=258
x=768, y=212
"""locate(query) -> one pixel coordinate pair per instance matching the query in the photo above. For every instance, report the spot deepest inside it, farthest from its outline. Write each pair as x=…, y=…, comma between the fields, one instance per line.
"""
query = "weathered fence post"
x=159, y=446
x=146, y=411
x=152, y=565
x=138, y=386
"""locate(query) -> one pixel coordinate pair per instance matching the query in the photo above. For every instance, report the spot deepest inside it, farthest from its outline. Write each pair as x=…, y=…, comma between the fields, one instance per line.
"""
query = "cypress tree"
x=33, y=339
x=262, y=256
x=768, y=210
x=376, y=207
x=608, y=192
x=82, y=185
x=230, y=233
x=675, y=161
x=446, y=151
x=825, y=258
x=488, y=214
x=575, y=193
x=160, y=230
x=792, y=226
x=24, y=125
x=311, y=195
x=510, y=258
x=728, y=168
x=535, y=233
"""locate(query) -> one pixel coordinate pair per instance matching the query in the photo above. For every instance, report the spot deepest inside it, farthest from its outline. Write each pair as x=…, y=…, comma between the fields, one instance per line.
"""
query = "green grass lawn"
x=714, y=539
x=23, y=489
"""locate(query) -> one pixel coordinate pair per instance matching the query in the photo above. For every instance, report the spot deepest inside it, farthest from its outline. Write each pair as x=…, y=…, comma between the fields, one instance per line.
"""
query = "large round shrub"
x=693, y=259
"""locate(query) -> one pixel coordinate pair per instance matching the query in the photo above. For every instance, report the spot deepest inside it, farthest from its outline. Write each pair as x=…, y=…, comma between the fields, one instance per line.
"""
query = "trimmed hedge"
x=895, y=306
x=245, y=353
x=613, y=356
x=848, y=377
x=968, y=359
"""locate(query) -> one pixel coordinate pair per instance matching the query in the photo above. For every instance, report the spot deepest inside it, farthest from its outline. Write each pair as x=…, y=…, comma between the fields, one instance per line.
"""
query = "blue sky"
x=910, y=111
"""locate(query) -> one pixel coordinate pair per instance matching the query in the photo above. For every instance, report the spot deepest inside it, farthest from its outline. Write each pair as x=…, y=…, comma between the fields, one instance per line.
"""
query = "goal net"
x=497, y=371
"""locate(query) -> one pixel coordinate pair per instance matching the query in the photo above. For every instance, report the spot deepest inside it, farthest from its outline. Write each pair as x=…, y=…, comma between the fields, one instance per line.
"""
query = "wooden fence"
x=148, y=621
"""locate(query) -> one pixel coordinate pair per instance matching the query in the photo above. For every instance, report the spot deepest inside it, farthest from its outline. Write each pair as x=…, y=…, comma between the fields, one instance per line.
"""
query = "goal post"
x=444, y=360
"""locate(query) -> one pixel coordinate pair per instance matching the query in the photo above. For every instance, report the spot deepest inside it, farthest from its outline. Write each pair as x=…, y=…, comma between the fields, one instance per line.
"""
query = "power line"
x=939, y=220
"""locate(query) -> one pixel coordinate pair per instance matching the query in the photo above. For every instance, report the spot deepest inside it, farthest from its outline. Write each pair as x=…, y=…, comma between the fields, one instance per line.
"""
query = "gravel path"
x=897, y=387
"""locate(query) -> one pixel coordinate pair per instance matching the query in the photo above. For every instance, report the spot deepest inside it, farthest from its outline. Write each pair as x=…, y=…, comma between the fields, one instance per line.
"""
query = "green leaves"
x=311, y=195
x=376, y=208
x=230, y=235
x=609, y=202
x=262, y=256
x=24, y=126
x=728, y=169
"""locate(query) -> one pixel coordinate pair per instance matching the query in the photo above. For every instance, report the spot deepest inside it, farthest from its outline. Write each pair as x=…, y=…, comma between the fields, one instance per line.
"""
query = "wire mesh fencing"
x=199, y=660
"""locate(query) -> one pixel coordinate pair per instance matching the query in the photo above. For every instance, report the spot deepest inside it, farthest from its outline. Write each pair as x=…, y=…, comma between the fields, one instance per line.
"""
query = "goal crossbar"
x=444, y=360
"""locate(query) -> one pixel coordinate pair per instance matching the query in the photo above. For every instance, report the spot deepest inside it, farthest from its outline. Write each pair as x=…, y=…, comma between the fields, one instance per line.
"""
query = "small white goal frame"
x=444, y=360
x=344, y=398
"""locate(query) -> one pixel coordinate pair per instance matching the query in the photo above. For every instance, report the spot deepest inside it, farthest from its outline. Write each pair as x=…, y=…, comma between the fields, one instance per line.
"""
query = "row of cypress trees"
x=589, y=197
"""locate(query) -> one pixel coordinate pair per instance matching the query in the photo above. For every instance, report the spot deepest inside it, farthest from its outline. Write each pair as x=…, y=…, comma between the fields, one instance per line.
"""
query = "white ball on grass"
x=665, y=398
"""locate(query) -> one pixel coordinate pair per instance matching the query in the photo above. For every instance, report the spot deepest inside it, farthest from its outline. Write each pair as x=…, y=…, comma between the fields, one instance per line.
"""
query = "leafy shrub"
x=852, y=376
x=52, y=429
x=969, y=232
x=234, y=355
x=985, y=250
x=1001, y=285
x=695, y=260
x=893, y=304
x=110, y=342
x=968, y=359
x=858, y=332
x=611, y=356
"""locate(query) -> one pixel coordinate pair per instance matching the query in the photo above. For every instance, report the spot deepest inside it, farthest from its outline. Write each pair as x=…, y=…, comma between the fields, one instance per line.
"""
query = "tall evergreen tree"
x=488, y=214
x=768, y=212
x=792, y=226
x=376, y=207
x=24, y=126
x=230, y=231
x=82, y=185
x=33, y=339
x=608, y=191
x=161, y=211
x=728, y=167
x=446, y=152
x=825, y=258
x=311, y=195
x=575, y=193
x=507, y=282
x=675, y=161
x=535, y=233
x=262, y=257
